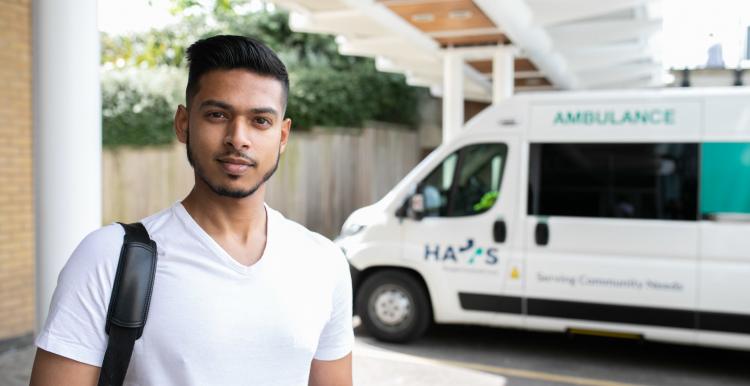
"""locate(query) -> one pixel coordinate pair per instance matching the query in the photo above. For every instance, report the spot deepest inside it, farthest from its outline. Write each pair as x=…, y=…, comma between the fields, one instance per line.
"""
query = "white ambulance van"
x=622, y=213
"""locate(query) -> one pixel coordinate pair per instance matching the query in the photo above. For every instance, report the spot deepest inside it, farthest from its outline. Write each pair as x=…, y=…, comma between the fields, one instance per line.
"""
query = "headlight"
x=351, y=229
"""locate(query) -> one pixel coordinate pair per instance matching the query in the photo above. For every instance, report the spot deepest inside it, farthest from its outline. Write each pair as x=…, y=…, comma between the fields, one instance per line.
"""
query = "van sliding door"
x=612, y=238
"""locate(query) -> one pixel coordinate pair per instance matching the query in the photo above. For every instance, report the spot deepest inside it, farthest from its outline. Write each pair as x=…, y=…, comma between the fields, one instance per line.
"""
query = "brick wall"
x=16, y=181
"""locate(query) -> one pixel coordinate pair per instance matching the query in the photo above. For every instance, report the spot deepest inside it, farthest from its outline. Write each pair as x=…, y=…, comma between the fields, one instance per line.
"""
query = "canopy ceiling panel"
x=440, y=15
x=560, y=44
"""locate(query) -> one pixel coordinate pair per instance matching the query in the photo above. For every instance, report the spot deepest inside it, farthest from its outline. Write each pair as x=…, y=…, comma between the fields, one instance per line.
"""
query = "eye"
x=216, y=115
x=262, y=121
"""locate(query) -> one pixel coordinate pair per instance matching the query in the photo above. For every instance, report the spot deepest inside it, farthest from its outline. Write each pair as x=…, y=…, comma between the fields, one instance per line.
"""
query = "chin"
x=237, y=189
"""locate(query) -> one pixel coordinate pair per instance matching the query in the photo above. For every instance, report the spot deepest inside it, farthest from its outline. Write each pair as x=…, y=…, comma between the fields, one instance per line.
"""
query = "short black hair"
x=228, y=52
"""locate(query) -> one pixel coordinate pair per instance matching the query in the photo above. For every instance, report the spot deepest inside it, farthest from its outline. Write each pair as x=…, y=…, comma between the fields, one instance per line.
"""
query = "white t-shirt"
x=212, y=320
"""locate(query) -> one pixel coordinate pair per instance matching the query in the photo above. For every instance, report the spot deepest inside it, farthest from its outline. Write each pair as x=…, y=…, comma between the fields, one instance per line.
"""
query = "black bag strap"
x=128, y=306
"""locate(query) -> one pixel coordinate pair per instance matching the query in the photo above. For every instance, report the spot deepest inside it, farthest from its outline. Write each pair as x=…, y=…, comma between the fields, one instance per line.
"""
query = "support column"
x=503, y=74
x=67, y=135
x=453, y=94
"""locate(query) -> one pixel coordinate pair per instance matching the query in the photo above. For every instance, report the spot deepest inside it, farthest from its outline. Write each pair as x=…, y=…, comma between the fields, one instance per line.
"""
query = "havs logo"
x=468, y=253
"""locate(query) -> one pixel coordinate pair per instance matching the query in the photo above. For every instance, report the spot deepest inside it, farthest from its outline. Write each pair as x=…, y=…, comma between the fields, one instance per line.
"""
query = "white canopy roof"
x=559, y=44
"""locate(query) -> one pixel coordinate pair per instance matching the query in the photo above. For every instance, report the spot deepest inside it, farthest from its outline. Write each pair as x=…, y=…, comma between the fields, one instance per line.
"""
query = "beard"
x=223, y=190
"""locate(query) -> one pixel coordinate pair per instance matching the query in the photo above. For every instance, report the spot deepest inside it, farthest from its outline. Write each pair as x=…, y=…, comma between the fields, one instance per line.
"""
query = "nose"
x=238, y=134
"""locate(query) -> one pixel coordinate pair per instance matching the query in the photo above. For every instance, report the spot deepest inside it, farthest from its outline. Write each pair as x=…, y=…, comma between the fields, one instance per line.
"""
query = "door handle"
x=499, y=231
x=541, y=233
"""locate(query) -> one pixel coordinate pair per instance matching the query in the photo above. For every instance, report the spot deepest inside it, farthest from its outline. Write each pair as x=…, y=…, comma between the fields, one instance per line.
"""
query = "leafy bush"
x=138, y=106
x=144, y=77
x=323, y=96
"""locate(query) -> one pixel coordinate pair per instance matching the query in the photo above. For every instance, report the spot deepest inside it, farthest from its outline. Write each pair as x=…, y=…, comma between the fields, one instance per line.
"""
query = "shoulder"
x=99, y=252
x=312, y=244
x=100, y=244
x=160, y=222
x=94, y=260
x=103, y=236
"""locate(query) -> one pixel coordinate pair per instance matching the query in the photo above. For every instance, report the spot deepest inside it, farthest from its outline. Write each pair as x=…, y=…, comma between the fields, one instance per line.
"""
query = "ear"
x=286, y=127
x=181, y=120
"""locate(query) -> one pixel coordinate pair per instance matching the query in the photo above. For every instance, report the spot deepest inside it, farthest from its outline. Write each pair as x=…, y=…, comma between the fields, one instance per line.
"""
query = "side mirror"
x=415, y=209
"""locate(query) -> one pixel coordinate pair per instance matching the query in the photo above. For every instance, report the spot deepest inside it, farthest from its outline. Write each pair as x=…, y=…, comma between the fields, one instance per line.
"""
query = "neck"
x=238, y=218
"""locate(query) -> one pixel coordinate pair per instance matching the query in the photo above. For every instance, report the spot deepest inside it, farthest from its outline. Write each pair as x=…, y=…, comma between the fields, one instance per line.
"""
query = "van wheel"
x=393, y=306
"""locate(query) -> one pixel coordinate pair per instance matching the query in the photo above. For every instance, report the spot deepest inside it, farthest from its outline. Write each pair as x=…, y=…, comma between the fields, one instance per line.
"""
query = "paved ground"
x=545, y=359
x=15, y=366
x=377, y=367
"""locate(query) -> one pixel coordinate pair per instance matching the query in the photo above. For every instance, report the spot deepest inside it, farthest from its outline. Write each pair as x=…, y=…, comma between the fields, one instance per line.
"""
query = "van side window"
x=437, y=187
x=466, y=183
x=631, y=180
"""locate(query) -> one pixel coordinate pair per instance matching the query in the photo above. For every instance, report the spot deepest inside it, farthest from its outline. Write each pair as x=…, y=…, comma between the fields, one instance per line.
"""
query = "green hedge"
x=138, y=105
x=327, y=97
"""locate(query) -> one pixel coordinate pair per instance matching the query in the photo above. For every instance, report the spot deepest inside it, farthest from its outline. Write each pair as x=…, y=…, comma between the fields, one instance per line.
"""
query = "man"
x=242, y=296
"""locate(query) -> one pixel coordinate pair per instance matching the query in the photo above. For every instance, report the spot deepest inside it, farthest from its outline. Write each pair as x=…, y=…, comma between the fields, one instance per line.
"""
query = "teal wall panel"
x=725, y=178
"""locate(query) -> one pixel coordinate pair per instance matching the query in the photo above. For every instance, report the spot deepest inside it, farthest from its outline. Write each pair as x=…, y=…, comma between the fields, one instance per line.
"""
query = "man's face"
x=234, y=130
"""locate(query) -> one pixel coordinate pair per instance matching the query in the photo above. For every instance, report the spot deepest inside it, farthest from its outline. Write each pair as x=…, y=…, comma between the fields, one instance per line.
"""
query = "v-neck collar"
x=217, y=249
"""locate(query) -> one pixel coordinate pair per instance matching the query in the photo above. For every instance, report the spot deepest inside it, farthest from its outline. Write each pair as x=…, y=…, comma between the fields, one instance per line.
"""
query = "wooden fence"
x=323, y=175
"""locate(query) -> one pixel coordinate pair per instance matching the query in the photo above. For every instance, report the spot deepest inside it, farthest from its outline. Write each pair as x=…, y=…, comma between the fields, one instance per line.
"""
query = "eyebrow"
x=264, y=110
x=227, y=106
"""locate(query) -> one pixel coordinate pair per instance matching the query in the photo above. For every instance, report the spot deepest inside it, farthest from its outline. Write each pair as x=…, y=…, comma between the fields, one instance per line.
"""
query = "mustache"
x=237, y=154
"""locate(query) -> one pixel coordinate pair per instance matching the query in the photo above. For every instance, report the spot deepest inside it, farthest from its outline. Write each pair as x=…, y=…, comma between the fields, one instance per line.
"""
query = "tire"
x=393, y=306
